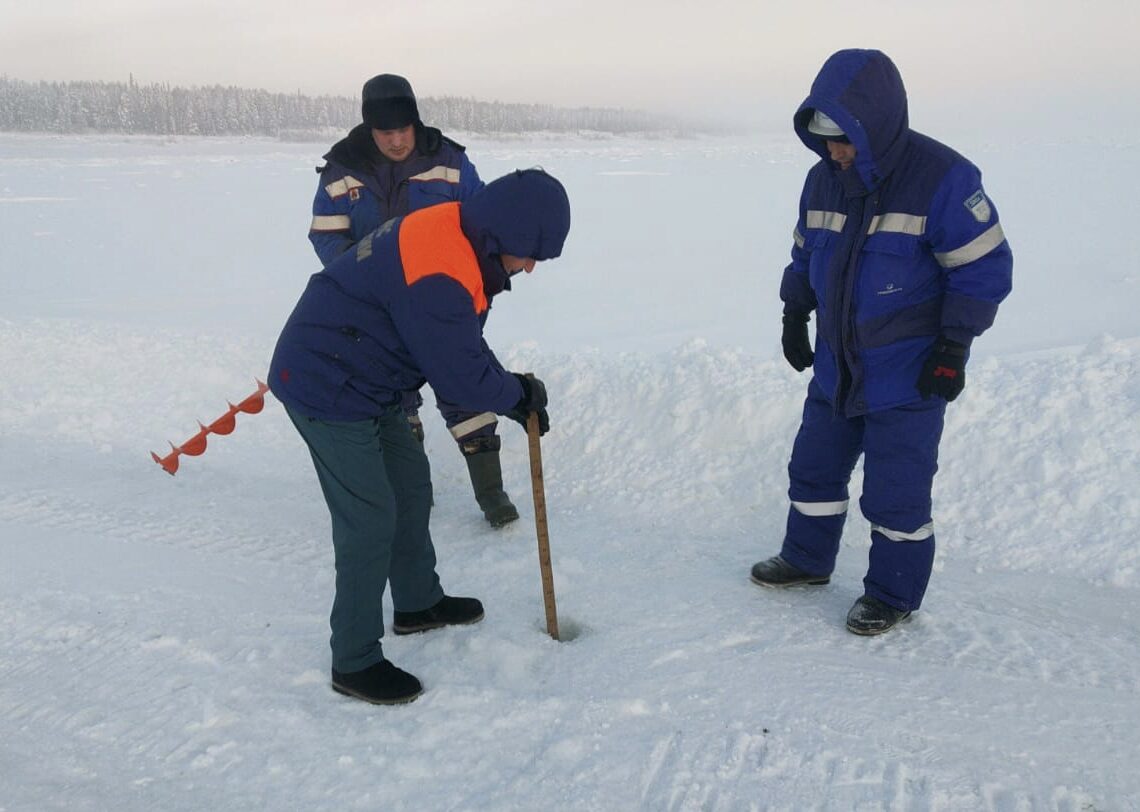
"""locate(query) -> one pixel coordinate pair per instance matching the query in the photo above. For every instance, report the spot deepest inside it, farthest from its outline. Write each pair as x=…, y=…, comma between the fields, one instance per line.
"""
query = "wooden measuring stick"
x=539, y=491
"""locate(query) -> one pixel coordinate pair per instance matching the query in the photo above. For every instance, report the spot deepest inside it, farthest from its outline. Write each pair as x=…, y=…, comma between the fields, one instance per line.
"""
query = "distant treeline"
x=159, y=109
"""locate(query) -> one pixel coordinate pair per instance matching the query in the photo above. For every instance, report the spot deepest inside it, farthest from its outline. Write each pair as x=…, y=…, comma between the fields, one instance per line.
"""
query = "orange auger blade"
x=226, y=423
x=255, y=402
x=169, y=463
x=196, y=444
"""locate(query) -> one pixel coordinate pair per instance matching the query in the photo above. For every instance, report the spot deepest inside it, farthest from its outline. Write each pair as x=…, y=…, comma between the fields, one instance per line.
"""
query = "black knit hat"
x=388, y=103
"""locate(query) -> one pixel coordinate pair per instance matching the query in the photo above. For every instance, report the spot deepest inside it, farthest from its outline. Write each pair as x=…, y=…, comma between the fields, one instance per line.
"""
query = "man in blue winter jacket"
x=404, y=307
x=899, y=252
x=387, y=166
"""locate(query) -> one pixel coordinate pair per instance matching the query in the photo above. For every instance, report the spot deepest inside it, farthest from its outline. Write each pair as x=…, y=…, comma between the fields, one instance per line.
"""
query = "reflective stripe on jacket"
x=359, y=189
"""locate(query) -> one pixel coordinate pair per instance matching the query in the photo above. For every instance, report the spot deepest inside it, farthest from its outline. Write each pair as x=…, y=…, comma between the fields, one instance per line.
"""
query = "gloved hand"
x=944, y=373
x=533, y=400
x=797, y=345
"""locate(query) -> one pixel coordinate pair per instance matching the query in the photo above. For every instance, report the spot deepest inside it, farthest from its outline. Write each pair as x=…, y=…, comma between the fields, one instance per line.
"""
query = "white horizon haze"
x=734, y=60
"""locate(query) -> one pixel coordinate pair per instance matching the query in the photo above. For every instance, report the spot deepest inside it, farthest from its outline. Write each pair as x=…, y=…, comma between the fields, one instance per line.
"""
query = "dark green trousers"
x=377, y=483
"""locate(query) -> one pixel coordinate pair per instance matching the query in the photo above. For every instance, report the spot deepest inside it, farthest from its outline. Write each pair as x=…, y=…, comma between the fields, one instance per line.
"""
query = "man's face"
x=512, y=264
x=395, y=145
x=842, y=153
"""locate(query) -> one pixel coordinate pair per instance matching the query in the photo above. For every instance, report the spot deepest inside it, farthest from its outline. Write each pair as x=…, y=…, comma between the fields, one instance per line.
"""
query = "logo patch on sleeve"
x=979, y=206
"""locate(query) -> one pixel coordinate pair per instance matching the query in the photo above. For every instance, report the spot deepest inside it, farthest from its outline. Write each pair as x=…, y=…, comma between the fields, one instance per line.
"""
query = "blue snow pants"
x=377, y=483
x=900, y=457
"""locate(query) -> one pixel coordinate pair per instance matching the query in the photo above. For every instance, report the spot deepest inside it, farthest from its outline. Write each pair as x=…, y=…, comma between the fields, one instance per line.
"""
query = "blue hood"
x=862, y=92
x=525, y=214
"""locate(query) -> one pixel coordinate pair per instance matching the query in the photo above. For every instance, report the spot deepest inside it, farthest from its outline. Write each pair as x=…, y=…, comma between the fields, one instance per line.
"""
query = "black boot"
x=777, y=572
x=872, y=616
x=380, y=684
x=448, y=611
x=482, y=455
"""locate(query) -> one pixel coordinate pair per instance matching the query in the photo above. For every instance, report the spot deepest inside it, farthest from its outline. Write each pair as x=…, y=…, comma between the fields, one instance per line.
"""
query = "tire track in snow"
x=244, y=537
x=150, y=699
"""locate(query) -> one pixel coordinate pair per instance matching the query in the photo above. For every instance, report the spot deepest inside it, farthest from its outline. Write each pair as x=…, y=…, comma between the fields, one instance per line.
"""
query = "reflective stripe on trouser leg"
x=823, y=456
x=470, y=426
x=358, y=464
x=465, y=425
x=811, y=539
x=899, y=463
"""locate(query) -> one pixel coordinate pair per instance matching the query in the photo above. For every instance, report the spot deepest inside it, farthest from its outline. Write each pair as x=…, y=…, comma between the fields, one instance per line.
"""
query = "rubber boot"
x=482, y=455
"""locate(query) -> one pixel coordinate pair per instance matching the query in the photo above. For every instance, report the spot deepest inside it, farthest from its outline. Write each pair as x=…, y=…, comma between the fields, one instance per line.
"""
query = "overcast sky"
x=751, y=58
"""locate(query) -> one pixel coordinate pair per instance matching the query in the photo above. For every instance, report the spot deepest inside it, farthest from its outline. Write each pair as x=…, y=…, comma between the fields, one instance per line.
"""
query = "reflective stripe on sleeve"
x=977, y=248
x=447, y=173
x=821, y=508
x=898, y=223
x=331, y=222
x=830, y=220
x=339, y=188
x=921, y=534
x=798, y=237
x=461, y=430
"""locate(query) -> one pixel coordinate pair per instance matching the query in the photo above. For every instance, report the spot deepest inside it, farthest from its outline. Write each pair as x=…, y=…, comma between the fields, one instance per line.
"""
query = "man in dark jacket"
x=388, y=166
x=899, y=252
x=405, y=307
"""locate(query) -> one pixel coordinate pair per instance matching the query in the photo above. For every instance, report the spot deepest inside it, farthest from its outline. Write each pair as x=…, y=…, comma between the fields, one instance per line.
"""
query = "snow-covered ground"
x=163, y=641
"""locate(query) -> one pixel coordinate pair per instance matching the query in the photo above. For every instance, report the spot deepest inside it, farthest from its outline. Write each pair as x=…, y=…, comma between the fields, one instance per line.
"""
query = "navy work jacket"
x=900, y=248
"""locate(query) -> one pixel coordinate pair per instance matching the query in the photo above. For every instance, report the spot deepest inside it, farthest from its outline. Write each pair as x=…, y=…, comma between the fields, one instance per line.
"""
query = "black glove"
x=944, y=373
x=797, y=345
x=533, y=400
